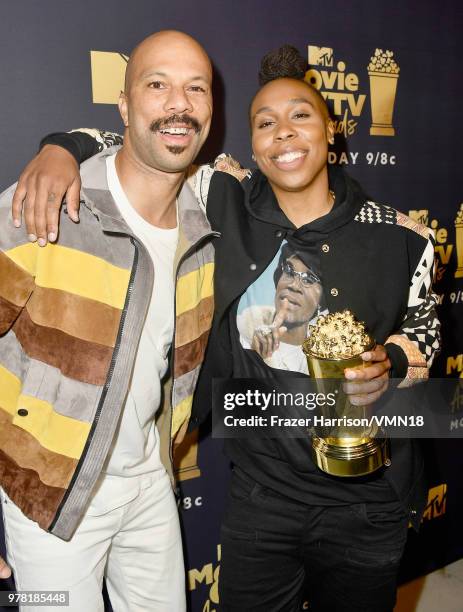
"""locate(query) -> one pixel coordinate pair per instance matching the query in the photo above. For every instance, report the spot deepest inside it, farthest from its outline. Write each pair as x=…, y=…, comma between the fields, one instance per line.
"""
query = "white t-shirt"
x=135, y=448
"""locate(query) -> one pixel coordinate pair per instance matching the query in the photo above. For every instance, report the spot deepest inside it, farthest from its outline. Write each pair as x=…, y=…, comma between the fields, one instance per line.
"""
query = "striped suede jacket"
x=71, y=315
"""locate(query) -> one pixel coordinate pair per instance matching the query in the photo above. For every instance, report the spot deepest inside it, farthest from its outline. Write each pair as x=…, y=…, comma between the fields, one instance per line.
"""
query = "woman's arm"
x=52, y=176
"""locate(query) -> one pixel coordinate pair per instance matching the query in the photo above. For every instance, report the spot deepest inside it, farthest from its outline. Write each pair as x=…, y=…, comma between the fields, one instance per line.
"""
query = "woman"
x=286, y=522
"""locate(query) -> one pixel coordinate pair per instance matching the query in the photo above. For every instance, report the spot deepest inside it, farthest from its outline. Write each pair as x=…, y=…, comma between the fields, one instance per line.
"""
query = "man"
x=84, y=472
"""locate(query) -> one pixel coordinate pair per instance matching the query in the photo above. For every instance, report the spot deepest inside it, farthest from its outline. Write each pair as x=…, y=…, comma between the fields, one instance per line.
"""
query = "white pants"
x=130, y=534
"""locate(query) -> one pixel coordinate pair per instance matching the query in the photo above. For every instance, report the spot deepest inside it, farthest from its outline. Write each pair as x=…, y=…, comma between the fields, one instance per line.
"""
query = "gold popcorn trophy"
x=384, y=73
x=335, y=343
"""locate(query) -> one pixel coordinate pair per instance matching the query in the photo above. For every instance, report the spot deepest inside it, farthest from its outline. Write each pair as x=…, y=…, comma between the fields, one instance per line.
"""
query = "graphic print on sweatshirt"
x=281, y=304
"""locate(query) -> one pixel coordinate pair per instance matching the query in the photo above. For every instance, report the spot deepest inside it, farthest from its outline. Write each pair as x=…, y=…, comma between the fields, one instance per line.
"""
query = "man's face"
x=300, y=289
x=290, y=133
x=167, y=107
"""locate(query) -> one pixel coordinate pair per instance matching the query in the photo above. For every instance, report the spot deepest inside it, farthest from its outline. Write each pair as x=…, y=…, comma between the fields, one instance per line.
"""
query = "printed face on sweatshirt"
x=275, y=312
x=297, y=293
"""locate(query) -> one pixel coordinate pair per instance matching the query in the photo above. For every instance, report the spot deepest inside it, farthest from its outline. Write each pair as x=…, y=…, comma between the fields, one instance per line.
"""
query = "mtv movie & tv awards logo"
x=344, y=91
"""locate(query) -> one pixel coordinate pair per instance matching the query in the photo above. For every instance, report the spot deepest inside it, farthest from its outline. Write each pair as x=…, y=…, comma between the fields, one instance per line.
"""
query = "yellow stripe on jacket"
x=59, y=267
x=194, y=287
x=57, y=433
x=10, y=389
x=181, y=413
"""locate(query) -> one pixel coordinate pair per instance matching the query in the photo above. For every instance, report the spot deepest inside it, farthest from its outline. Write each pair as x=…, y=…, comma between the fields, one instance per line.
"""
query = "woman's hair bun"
x=285, y=62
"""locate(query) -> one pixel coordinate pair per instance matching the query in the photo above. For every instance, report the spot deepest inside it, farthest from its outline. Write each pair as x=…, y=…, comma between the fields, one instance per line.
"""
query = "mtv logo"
x=108, y=73
x=420, y=216
x=321, y=56
x=437, y=502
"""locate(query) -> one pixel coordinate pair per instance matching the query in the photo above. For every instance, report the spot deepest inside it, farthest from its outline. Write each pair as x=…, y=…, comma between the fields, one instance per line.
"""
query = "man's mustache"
x=162, y=124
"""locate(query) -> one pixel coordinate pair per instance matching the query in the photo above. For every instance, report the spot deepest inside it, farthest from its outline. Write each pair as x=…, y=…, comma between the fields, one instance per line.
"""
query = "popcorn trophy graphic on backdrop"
x=384, y=74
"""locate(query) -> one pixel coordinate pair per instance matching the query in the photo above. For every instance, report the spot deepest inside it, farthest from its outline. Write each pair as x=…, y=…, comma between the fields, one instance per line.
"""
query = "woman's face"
x=290, y=133
x=298, y=292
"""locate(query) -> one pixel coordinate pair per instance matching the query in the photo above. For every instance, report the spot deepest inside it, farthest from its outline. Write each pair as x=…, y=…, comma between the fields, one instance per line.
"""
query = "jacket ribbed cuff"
x=64, y=140
x=398, y=358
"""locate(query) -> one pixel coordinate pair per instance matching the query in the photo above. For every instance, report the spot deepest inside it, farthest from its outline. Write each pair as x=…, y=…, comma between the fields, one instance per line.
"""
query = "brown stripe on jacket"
x=38, y=501
x=193, y=323
x=78, y=359
x=53, y=469
x=16, y=284
x=8, y=314
x=75, y=315
x=189, y=356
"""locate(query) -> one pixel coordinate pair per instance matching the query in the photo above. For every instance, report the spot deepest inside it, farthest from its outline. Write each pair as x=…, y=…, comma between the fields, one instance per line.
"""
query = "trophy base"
x=350, y=460
x=459, y=273
x=382, y=130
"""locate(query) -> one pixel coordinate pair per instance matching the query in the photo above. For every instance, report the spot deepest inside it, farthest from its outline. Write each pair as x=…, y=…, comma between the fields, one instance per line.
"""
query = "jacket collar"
x=96, y=196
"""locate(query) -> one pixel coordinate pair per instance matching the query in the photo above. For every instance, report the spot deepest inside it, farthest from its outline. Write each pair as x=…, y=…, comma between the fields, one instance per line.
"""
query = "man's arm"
x=54, y=175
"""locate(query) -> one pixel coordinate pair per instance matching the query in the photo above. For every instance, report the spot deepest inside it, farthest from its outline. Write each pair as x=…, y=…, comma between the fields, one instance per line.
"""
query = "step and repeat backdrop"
x=391, y=73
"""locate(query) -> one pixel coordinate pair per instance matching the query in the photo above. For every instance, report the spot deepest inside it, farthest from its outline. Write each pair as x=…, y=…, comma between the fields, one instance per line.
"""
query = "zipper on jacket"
x=106, y=385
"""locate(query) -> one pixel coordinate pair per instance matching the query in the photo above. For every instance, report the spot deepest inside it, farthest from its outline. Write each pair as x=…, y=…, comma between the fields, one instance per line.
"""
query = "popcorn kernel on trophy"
x=335, y=343
x=384, y=73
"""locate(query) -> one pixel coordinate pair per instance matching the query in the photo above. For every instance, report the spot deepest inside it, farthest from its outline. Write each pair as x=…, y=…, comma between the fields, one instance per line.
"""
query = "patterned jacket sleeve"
x=413, y=347
x=83, y=142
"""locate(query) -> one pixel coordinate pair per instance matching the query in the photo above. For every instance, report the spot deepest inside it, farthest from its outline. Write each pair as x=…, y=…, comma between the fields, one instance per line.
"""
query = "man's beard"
x=161, y=124
x=175, y=149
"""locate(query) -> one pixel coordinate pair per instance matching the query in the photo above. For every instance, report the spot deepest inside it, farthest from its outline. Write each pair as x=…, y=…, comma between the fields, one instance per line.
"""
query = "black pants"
x=347, y=556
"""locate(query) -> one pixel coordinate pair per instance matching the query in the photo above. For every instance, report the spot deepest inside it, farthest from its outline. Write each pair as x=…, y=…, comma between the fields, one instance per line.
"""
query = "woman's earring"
x=253, y=157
